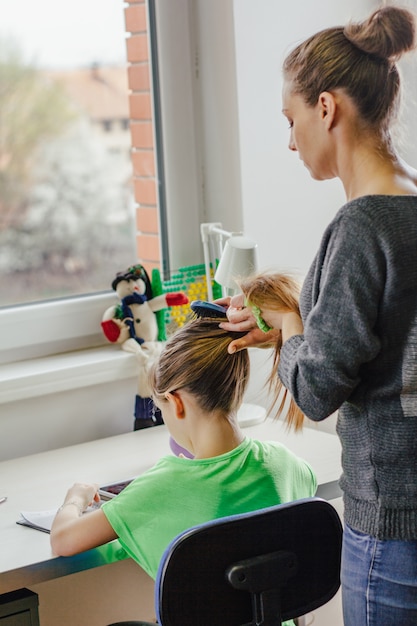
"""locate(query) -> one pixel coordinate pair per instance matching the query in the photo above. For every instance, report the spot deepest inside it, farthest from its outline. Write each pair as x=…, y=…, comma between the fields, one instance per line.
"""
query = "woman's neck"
x=372, y=170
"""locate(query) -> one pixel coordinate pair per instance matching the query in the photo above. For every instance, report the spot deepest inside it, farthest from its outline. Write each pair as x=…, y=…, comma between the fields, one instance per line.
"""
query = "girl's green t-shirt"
x=178, y=493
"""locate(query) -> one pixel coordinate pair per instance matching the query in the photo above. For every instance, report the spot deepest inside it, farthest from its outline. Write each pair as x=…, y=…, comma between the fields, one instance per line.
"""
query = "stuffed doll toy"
x=133, y=324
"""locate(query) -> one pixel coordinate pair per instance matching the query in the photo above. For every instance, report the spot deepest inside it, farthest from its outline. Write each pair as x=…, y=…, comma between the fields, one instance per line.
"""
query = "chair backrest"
x=257, y=568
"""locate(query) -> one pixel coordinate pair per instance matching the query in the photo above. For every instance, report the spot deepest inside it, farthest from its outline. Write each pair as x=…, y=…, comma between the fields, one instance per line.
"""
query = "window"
x=197, y=178
x=67, y=216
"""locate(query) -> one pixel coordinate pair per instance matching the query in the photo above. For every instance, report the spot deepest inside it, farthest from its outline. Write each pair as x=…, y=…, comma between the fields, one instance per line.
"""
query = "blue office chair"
x=254, y=569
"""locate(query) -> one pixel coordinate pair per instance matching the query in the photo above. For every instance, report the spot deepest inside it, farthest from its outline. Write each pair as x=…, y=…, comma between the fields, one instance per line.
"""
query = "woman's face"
x=309, y=135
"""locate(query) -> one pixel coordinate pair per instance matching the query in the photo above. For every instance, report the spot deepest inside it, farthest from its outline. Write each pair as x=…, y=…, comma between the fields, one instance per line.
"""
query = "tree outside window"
x=66, y=200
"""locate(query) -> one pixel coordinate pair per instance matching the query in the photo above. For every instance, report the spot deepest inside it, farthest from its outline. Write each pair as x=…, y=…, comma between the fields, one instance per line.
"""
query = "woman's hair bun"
x=387, y=33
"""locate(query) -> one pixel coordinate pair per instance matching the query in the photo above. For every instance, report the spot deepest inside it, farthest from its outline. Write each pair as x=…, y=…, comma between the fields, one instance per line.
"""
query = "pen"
x=3, y=499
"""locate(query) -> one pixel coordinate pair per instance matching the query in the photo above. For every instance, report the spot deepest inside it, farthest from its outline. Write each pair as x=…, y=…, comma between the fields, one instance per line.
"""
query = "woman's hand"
x=255, y=338
x=241, y=319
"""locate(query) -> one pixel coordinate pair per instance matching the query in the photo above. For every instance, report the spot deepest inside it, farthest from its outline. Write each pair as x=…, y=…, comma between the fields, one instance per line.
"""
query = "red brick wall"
x=141, y=127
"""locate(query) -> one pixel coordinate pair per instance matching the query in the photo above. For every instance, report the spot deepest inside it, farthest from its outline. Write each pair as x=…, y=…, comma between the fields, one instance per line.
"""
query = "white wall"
x=284, y=210
x=56, y=420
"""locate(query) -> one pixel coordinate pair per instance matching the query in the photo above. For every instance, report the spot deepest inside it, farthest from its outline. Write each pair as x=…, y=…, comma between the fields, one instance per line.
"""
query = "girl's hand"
x=83, y=494
x=72, y=532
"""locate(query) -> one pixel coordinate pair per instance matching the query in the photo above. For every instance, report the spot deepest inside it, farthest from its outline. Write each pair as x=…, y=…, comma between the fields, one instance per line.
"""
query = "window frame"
x=40, y=329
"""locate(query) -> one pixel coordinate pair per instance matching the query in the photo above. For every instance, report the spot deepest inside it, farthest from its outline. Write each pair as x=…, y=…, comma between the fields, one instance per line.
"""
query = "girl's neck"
x=216, y=435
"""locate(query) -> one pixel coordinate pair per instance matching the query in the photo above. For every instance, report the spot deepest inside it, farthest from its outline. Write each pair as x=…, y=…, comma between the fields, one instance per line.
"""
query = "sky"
x=57, y=34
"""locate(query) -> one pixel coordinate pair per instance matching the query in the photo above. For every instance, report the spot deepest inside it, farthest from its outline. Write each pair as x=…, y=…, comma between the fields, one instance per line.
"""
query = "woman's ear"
x=327, y=107
x=176, y=401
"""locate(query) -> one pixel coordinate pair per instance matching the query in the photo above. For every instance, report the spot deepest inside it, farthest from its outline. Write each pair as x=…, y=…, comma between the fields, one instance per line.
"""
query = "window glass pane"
x=66, y=201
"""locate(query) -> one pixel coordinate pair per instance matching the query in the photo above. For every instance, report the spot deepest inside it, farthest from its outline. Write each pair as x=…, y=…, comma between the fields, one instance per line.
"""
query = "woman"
x=199, y=387
x=354, y=346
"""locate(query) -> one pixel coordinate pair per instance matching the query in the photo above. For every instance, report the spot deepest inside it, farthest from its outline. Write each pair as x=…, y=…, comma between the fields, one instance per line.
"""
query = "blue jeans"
x=379, y=581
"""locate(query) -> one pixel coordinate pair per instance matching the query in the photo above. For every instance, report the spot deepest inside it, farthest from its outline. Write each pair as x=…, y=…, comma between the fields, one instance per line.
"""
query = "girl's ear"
x=327, y=106
x=175, y=398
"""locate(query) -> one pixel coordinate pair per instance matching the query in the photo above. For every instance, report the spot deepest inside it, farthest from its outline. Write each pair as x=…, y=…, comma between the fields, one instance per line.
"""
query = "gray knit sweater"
x=358, y=354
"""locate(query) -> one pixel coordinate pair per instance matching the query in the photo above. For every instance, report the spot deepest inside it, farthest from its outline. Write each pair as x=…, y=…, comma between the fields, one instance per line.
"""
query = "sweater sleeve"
x=322, y=368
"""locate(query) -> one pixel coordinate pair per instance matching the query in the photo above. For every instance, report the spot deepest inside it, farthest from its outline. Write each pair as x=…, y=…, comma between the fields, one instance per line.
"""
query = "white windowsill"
x=63, y=372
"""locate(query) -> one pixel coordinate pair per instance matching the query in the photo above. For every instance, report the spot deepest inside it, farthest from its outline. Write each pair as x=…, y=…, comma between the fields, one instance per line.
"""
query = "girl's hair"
x=195, y=358
x=359, y=58
x=277, y=292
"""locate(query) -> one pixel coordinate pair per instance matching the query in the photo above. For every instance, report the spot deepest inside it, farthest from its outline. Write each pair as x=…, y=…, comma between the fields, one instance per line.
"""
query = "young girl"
x=199, y=388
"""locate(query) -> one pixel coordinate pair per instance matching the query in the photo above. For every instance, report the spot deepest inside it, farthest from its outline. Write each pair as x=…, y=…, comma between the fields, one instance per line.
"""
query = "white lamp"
x=238, y=260
x=238, y=257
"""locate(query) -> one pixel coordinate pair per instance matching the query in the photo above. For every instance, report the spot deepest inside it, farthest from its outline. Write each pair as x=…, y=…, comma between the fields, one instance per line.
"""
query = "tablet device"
x=107, y=492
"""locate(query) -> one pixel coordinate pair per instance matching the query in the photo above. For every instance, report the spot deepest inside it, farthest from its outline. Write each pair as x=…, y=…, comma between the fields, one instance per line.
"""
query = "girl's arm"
x=73, y=532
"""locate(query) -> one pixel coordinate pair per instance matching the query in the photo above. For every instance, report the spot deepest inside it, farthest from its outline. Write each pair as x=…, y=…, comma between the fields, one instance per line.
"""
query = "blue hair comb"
x=202, y=308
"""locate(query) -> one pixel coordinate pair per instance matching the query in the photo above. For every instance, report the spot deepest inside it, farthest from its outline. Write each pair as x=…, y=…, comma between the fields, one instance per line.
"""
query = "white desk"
x=40, y=482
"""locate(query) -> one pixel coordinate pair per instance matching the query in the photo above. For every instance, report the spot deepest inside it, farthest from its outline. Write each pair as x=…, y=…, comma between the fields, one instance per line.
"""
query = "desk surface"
x=40, y=481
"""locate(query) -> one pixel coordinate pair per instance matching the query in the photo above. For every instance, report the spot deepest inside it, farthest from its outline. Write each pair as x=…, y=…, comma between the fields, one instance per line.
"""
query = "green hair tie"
x=258, y=317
